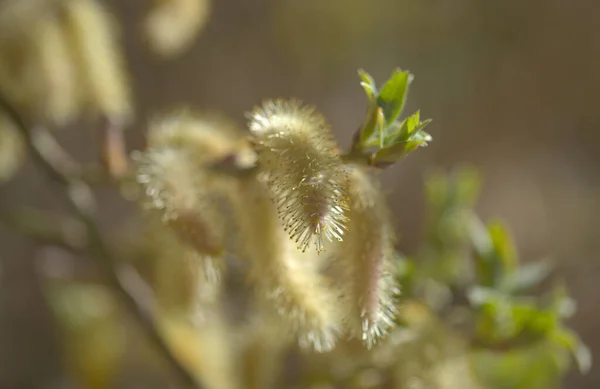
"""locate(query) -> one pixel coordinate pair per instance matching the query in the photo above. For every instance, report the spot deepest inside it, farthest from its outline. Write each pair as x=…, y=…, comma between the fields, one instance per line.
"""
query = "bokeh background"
x=513, y=87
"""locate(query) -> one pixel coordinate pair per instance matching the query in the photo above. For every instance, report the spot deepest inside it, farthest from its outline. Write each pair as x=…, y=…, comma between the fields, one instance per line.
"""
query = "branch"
x=50, y=158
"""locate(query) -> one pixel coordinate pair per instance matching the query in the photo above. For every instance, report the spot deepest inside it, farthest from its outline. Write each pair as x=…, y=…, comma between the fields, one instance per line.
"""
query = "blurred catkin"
x=59, y=57
x=93, y=39
x=93, y=334
x=172, y=25
x=12, y=149
x=287, y=278
x=36, y=66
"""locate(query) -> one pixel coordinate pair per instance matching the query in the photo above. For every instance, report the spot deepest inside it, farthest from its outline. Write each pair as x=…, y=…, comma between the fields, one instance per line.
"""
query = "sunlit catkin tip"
x=367, y=256
x=304, y=173
x=12, y=149
x=210, y=138
x=172, y=25
x=288, y=281
x=101, y=72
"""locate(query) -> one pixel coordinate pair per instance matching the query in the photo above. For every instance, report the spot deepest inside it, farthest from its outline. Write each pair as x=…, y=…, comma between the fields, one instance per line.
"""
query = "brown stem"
x=80, y=200
x=113, y=153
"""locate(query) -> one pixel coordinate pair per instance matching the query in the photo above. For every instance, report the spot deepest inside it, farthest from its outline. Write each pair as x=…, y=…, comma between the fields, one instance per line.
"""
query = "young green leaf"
x=393, y=95
x=368, y=85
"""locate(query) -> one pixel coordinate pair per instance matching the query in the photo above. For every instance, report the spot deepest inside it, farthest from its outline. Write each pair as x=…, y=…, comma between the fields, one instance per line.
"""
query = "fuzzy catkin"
x=286, y=278
x=300, y=165
x=91, y=34
x=366, y=259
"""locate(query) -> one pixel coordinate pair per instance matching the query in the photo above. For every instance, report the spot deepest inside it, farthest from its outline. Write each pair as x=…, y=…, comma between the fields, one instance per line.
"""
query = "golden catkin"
x=101, y=72
x=304, y=173
x=12, y=149
x=172, y=25
x=287, y=278
x=365, y=258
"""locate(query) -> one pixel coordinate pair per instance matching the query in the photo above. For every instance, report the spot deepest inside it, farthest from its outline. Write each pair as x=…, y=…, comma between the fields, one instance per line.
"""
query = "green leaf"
x=393, y=95
x=503, y=246
x=534, y=367
x=391, y=154
x=526, y=277
x=467, y=184
x=368, y=85
x=404, y=130
x=495, y=253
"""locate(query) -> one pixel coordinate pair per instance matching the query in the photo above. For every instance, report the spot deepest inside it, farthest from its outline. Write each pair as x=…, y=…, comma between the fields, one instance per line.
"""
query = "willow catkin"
x=180, y=183
x=92, y=38
x=298, y=161
x=365, y=257
x=172, y=25
x=209, y=137
x=288, y=279
x=12, y=148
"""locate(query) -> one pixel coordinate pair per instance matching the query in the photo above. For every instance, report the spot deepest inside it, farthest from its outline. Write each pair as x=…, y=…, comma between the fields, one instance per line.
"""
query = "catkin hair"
x=365, y=258
x=299, y=163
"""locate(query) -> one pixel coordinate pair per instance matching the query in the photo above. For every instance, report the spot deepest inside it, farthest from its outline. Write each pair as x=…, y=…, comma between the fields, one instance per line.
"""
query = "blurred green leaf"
x=571, y=341
x=495, y=253
x=526, y=276
x=561, y=303
x=534, y=367
x=467, y=184
x=504, y=248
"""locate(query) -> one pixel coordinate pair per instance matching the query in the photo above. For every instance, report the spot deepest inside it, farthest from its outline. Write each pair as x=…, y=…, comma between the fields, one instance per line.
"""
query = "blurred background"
x=513, y=88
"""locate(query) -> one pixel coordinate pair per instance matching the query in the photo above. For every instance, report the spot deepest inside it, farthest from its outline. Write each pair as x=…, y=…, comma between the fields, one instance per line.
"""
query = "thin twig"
x=46, y=228
x=80, y=199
